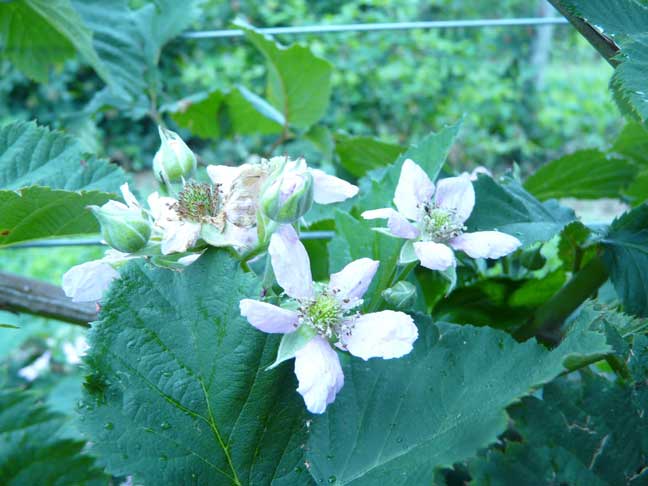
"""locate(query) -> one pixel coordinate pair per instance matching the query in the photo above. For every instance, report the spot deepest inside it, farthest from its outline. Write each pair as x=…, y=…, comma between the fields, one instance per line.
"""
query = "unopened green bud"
x=400, y=296
x=123, y=228
x=288, y=196
x=174, y=160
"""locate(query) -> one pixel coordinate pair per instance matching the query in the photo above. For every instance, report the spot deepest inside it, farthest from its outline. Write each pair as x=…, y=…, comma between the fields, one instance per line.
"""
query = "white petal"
x=414, y=189
x=162, y=209
x=320, y=376
x=269, y=318
x=239, y=237
x=329, y=189
x=189, y=259
x=223, y=175
x=486, y=244
x=179, y=236
x=87, y=282
x=399, y=226
x=290, y=263
x=382, y=213
x=457, y=195
x=435, y=256
x=129, y=197
x=31, y=372
x=74, y=351
x=386, y=334
x=474, y=175
x=352, y=281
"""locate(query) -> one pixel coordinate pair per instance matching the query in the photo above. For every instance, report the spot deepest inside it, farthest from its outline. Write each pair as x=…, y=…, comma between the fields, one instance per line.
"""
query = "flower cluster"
x=258, y=205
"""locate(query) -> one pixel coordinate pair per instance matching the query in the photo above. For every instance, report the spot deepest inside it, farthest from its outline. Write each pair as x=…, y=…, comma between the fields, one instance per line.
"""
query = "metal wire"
x=374, y=27
x=305, y=235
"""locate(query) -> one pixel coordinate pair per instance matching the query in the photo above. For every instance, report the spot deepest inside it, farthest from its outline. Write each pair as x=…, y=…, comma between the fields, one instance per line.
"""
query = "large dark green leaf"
x=299, y=82
x=587, y=174
x=32, y=157
x=395, y=421
x=35, y=34
x=626, y=257
x=358, y=155
x=32, y=449
x=592, y=433
x=509, y=208
x=632, y=143
x=179, y=393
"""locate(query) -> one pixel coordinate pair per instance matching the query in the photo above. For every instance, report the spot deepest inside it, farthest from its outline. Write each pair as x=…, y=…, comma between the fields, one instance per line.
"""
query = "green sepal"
x=407, y=253
x=291, y=343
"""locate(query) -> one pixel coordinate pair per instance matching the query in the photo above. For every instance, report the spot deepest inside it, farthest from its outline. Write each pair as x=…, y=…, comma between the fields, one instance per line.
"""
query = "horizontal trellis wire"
x=386, y=26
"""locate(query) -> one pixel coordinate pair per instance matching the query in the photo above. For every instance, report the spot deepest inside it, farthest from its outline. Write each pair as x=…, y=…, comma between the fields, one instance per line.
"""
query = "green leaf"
x=178, y=391
x=40, y=212
x=378, y=186
x=619, y=18
x=590, y=432
x=9, y=326
x=129, y=43
x=356, y=239
x=33, y=155
x=638, y=190
x=199, y=113
x=626, y=258
x=396, y=421
x=632, y=143
x=36, y=34
x=299, y=82
x=32, y=449
x=358, y=155
x=586, y=174
x=507, y=207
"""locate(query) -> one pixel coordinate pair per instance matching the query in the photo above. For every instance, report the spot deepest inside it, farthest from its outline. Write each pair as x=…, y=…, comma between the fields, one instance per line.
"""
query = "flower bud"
x=400, y=296
x=123, y=228
x=174, y=160
x=288, y=196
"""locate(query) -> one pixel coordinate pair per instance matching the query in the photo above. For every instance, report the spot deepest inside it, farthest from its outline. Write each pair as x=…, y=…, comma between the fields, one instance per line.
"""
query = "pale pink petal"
x=179, y=236
x=435, y=256
x=382, y=213
x=386, y=334
x=319, y=373
x=486, y=244
x=399, y=226
x=223, y=175
x=413, y=190
x=290, y=263
x=88, y=282
x=129, y=197
x=457, y=195
x=239, y=237
x=329, y=189
x=352, y=281
x=268, y=317
x=162, y=209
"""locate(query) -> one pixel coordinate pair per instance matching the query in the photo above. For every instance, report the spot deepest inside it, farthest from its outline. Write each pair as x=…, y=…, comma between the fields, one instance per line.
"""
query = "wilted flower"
x=174, y=160
x=438, y=219
x=325, y=315
x=123, y=226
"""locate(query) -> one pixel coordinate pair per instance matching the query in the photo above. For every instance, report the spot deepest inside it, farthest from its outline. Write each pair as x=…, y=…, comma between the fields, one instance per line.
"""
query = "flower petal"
x=128, y=196
x=179, y=236
x=457, y=195
x=480, y=169
x=486, y=244
x=320, y=376
x=399, y=226
x=269, y=318
x=290, y=263
x=386, y=334
x=329, y=189
x=382, y=213
x=162, y=209
x=414, y=188
x=87, y=282
x=223, y=175
x=353, y=280
x=435, y=256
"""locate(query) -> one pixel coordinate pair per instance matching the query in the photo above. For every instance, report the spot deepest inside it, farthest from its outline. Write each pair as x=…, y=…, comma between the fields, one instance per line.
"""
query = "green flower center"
x=326, y=315
x=198, y=202
x=439, y=224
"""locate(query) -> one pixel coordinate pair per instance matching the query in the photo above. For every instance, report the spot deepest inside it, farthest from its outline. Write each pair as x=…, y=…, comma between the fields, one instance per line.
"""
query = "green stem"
x=619, y=367
x=551, y=315
x=395, y=278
